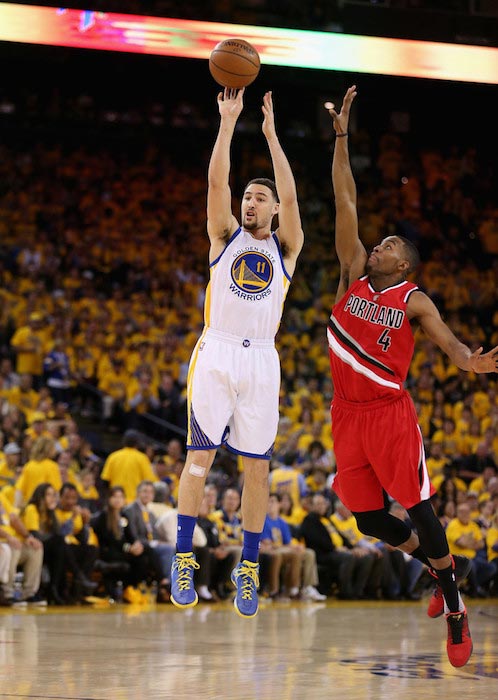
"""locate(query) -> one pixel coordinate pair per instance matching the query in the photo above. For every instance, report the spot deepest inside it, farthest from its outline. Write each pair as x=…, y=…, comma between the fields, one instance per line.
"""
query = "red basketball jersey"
x=370, y=341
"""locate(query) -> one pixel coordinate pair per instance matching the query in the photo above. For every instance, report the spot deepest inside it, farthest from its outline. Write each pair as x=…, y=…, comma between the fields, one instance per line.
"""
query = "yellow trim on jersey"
x=286, y=282
x=207, y=299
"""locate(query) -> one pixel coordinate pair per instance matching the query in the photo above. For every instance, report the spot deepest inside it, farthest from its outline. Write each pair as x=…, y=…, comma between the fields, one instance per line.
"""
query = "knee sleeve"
x=430, y=531
x=384, y=526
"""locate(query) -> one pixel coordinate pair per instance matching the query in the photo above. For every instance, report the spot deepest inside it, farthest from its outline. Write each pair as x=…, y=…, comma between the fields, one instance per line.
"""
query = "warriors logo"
x=252, y=272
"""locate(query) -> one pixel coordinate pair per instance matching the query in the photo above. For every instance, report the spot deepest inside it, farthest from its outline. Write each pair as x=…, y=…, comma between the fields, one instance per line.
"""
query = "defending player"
x=377, y=440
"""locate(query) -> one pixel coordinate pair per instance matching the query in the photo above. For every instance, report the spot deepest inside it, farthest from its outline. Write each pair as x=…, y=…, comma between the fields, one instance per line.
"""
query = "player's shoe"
x=183, y=593
x=245, y=578
x=462, y=567
x=459, y=645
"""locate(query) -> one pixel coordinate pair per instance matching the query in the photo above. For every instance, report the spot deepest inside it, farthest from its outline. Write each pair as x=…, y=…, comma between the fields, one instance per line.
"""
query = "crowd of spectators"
x=103, y=271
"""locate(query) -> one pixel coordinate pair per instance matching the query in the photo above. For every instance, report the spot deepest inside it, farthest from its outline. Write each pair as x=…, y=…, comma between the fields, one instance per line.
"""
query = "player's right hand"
x=230, y=102
x=341, y=120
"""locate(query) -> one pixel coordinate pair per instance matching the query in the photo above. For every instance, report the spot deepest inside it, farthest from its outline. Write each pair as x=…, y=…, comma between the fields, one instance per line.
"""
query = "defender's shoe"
x=245, y=578
x=183, y=593
x=459, y=645
x=462, y=566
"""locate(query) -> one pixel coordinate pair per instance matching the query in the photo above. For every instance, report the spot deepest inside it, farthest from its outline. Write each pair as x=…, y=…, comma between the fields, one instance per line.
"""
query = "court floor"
x=352, y=651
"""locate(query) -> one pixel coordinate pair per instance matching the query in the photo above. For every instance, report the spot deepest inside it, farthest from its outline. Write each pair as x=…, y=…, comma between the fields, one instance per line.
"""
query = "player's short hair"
x=412, y=254
x=267, y=183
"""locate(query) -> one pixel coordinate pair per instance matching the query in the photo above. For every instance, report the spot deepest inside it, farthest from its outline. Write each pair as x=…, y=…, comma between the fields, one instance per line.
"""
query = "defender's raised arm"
x=350, y=250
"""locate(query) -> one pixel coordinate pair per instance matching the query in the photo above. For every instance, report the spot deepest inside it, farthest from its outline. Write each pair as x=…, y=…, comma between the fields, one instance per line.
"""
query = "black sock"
x=447, y=581
x=420, y=555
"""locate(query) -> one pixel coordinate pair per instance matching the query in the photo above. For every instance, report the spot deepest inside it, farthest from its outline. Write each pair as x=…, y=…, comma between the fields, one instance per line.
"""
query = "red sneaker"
x=436, y=602
x=459, y=645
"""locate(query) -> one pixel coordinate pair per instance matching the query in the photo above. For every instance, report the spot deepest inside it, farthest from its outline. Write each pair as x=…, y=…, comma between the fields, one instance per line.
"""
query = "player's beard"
x=252, y=224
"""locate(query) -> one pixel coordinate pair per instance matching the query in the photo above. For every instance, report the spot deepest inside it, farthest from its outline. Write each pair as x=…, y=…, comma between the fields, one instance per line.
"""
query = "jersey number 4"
x=385, y=340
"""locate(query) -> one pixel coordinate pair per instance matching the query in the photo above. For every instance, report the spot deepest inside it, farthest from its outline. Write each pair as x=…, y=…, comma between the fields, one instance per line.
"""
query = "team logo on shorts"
x=252, y=272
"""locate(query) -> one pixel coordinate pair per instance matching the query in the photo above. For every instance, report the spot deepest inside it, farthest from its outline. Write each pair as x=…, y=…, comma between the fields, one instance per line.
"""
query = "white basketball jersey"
x=247, y=287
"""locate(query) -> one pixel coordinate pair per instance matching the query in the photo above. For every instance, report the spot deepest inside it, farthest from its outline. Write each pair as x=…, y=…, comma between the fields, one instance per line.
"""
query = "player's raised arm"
x=290, y=231
x=423, y=309
x=221, y=222
x=350, y=251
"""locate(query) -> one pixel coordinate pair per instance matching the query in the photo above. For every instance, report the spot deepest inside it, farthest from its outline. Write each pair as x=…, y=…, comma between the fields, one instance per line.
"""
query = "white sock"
x=461, y=606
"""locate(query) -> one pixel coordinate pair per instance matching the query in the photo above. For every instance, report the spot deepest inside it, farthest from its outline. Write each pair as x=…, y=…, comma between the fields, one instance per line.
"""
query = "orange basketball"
x=234, y=63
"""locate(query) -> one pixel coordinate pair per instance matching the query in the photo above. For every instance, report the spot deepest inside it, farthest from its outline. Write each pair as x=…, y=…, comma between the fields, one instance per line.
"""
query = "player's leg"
x=253, y=428
x=448, y=571
x=396, y=450
x=210, y=405
x=255, y=493
x=190, y=494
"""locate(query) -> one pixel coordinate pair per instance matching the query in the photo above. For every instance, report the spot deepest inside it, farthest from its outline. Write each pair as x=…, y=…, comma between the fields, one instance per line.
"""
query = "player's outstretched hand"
x=341, y=120
x=480, y=363
x=268, y=125
x=230, y=102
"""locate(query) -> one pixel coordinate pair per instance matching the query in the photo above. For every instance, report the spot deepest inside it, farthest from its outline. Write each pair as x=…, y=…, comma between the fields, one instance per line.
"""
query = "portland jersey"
x=247, y=288
x=370, y=341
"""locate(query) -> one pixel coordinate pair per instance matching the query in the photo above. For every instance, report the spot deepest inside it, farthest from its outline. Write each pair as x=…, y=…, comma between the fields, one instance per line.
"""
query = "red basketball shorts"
x=378, y=447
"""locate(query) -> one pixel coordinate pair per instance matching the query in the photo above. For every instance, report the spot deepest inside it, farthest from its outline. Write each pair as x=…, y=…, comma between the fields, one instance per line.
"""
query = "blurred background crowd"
x=103, y=268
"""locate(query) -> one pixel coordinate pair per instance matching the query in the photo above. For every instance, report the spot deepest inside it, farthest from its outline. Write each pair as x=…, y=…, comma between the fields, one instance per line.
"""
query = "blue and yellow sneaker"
x=245, y=578
x=183, y=593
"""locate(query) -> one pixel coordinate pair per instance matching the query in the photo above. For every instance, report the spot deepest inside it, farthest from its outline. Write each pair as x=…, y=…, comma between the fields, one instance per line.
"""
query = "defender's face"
x=258, y=207
x=387, y=257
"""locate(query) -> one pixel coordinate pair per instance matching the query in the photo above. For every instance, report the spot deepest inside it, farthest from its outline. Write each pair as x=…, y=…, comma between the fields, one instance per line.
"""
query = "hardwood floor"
x=308, y=651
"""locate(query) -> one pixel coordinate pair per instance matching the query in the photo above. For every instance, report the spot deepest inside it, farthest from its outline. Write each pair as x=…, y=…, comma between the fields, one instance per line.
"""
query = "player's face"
x=258, y=207
x=388, y=257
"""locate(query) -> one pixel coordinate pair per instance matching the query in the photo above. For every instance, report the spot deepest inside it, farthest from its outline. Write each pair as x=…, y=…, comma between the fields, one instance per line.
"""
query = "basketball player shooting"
x=234, y=373
x=377, y=440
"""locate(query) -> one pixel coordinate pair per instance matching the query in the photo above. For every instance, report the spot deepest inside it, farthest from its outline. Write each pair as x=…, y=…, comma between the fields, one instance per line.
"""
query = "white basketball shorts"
x=233, y=394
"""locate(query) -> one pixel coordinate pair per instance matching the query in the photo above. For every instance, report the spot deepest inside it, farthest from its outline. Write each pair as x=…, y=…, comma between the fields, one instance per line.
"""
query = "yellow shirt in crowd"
x=455, y=530
x=35, y=473
x=127, y=468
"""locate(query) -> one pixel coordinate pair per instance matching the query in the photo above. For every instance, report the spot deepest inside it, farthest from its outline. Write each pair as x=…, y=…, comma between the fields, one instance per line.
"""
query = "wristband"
x=341, y=135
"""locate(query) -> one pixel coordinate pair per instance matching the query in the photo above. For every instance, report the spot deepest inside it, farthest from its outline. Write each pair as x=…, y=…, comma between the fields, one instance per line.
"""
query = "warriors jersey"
x=247, y=288
x=370, y=341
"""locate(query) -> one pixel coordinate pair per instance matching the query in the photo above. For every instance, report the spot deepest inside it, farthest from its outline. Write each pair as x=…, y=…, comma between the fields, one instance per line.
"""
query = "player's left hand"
x=480, y=364
x=269, y=117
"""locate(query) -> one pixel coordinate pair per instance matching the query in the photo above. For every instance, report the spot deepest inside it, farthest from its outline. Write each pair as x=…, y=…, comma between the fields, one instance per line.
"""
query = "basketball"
x=234, y=63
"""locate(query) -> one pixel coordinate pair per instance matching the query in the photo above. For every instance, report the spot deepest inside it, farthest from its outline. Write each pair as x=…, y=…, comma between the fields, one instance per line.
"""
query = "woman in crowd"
x=40, y=519
x=120, y=557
